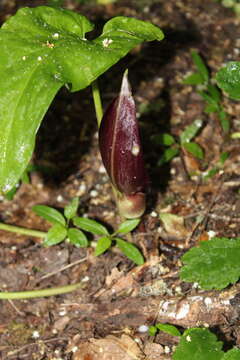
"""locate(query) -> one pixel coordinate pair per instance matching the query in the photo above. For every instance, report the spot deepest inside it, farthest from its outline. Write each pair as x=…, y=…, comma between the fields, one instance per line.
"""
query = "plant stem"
x=23, y=231
x=97, y=102
x=39, y=293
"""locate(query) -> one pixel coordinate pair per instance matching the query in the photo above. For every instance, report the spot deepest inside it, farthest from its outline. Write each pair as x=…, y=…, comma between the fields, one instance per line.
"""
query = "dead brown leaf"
x=110, y=348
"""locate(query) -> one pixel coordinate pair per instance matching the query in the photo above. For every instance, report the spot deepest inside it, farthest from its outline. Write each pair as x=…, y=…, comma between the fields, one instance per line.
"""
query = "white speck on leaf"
x=55, y=35
x=188, y=338
x=106, y=42
x=24, y=58
x=39, y=58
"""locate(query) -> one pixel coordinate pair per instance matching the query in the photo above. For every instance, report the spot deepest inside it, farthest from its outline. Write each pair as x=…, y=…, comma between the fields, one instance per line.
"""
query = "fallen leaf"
x=110, y=348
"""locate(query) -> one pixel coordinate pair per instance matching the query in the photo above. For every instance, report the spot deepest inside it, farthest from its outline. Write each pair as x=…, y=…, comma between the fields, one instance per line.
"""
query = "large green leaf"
x=198, y=344
x=233, y=354
x=214, y=264
x=42, y=49
x=228, y=79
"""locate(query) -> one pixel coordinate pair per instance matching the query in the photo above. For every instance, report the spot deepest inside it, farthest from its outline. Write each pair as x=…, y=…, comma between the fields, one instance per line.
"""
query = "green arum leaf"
x=50, y=214
x=127, y=226
x=168, y=155
x=70, y=210
x=90, y=225
x=199, y=63
x=214, y=264
x=169, y=329
x=228, y=79
x=194, y=149
x=42, y=49
x=163, y=139
x=224, y=120
x=198, y=344
x=55, y=235
x=190, y=131
x=130, y=250
x=194, y=79
x=103, y=244
x=77, y=237
x=233, y=354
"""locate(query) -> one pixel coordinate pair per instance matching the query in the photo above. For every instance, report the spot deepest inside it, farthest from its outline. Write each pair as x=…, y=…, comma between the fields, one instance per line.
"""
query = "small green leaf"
x=214, y=264
x=199, y=344
x=130, y=250
x=168, y=155
x=194, y=149
x=152, y=330
x=212, y=172
x=50, y=214
x=10, y=194
x=235, y=135
x=169, y=329
x=199, y=63
x=228, y=79
x=25, y=177
x=212, y=108
x=90, y=225
x=70, y=210
x=190, y=131
x=55, y=235
x=209, y=99
x=233, y=354
x=77, y=237
x=128, y=226
x=163, y=139
x=214, y=92
x=223, y=157
x=224, y=120
x=194, y=79
x=103, y=244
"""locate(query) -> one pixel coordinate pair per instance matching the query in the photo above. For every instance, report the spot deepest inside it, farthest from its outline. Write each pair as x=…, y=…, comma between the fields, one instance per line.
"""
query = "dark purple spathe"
x=120, y=145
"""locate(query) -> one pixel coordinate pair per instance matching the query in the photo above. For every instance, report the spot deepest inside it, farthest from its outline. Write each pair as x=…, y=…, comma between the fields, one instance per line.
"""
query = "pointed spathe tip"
x=126, y=88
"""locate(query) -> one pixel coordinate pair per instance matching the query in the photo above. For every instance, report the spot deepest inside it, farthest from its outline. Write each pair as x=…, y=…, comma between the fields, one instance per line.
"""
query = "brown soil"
x=117, y=297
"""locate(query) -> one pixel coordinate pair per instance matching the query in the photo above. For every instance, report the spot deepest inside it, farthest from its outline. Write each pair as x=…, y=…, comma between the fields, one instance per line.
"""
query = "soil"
x=116, y=297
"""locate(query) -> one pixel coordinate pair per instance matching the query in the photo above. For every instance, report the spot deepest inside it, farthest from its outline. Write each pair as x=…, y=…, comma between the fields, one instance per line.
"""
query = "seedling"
x=217, y=168
x=174, y=147
x=208, y=91
x=232, y=4
x=73, y=228
x=200, y=342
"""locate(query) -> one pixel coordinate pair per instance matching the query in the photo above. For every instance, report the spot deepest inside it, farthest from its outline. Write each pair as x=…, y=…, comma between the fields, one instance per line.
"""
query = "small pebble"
x=93, y=193
x=143, y=329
